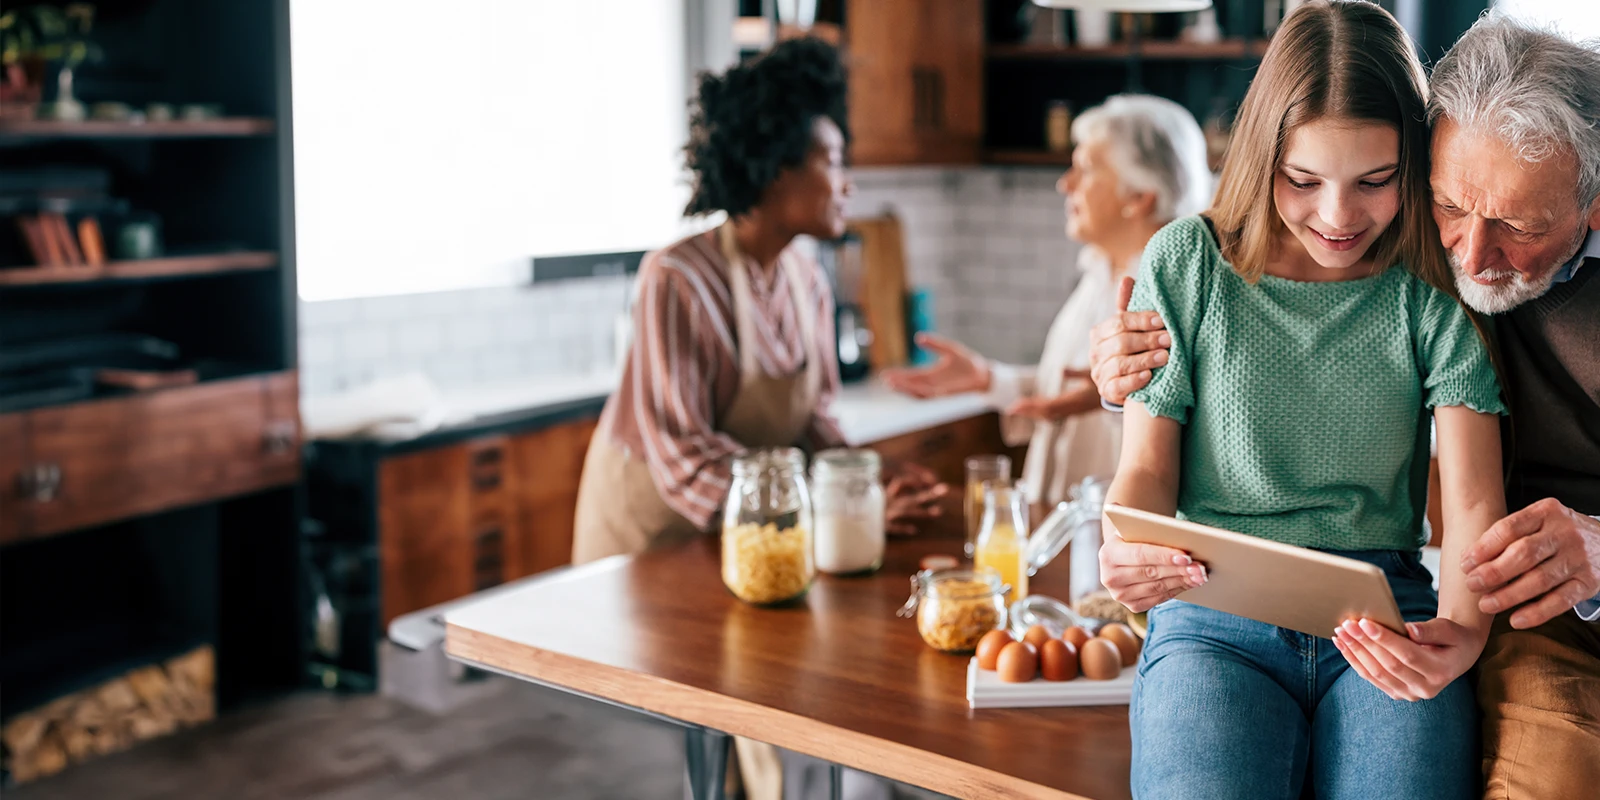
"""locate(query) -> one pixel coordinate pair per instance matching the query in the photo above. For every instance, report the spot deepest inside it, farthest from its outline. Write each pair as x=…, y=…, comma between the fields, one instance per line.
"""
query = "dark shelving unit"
x=157, y=577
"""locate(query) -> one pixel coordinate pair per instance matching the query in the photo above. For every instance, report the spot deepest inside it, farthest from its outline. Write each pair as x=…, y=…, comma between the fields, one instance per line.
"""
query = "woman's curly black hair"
x=753, y=121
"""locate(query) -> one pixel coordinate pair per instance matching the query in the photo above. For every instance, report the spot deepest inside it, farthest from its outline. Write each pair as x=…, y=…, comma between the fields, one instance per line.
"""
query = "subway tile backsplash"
x=988, y=243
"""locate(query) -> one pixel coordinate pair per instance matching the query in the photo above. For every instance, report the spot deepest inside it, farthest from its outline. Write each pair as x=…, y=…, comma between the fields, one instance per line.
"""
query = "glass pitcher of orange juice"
x=1003, y=537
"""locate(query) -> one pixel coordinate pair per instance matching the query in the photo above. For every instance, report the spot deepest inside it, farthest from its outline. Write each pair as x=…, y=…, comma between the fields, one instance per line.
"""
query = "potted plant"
x=32, y=39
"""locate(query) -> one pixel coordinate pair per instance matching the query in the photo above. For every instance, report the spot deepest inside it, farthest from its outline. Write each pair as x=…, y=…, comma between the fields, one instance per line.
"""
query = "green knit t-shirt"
x=1305, y=406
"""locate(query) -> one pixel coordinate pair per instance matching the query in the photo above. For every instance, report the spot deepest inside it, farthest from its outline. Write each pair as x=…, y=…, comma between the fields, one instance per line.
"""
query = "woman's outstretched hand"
x=1060, y=407
x=956, y=370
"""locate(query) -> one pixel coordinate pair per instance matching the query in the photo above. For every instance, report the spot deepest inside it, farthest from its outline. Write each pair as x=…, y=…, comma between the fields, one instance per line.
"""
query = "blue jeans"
x=1225, y=707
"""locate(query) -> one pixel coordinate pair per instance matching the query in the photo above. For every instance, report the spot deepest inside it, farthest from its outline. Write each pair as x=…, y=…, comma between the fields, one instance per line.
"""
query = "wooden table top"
x=840, y=677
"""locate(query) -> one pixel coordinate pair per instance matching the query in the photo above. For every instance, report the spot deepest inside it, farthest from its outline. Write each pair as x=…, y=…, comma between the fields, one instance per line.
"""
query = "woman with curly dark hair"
x=733, y=342
x=733, y=328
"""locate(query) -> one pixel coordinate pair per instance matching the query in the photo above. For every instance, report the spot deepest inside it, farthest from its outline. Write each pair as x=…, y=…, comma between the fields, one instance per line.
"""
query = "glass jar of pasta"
x=956, y=607
x=766, y=527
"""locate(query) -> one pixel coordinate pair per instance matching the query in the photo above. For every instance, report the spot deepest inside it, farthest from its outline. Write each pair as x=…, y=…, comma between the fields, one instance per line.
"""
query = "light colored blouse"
x=1062, y=453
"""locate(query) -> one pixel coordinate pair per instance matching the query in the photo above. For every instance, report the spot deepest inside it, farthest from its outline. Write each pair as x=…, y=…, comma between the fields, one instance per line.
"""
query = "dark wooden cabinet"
x=916, y=81
x=423, y=501
x=13, y=457
x=548, y=465
x=455, y=517
x=73, y=466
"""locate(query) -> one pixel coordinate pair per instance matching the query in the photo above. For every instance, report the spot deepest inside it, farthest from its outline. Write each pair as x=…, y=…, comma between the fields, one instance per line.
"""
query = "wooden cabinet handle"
x=484, y=470
x=279, y=437
x=40, y=483
x=488, y=561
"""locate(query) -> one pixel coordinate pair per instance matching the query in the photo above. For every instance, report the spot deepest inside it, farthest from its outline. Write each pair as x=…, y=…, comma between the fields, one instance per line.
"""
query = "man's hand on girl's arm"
x=1125, y=349
x=1541, y=561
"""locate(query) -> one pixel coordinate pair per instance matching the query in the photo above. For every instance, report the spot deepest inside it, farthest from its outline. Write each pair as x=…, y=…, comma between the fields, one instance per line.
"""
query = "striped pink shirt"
x=683, y=370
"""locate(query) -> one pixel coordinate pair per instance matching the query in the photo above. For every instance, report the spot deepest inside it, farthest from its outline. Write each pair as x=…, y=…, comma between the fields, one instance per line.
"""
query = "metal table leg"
x=705, y=749
x=706, y=757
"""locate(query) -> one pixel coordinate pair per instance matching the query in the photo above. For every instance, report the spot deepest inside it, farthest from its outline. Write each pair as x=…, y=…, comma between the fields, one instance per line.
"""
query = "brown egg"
x=1076, y=635
x=989, y=648
x=1058, y=660
x=1100, y=659
x=1019, y=663
x=1122, y=636
x=1037, y=636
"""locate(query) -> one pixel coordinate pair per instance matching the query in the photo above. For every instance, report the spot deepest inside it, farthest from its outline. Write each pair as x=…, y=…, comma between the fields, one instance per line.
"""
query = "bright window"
x=440, y=145
x=1576, y=19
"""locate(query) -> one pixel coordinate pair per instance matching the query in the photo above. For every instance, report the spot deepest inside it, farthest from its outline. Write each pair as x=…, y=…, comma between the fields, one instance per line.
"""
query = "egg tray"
x=986, y=690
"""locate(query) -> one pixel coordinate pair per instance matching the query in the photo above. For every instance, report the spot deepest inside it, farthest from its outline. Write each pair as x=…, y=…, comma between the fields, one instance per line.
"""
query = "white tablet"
x=1279, y=584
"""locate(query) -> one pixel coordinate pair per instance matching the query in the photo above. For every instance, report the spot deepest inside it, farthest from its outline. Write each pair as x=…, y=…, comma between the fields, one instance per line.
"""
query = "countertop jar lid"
x=952, y=584
x=845, y=462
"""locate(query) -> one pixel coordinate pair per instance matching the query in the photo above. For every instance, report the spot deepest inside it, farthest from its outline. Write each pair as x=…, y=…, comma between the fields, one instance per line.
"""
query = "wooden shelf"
x=104, y=129
x=155, y=268
x=1153, y=50
x=1037, y=158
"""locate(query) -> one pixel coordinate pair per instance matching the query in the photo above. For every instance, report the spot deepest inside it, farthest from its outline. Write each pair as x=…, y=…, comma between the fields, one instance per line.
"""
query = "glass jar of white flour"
x=847, y=511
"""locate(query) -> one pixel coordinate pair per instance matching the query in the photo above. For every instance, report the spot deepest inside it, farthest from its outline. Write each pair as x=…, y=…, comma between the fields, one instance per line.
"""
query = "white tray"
x=986, y=690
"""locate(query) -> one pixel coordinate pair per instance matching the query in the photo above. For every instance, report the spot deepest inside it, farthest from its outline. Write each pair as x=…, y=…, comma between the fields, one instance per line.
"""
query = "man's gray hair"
x=1531, y=88
x=1155, y=146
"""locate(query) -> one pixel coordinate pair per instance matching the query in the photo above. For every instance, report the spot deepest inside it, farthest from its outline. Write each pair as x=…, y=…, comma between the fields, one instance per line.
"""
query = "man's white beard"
x=1501, y=297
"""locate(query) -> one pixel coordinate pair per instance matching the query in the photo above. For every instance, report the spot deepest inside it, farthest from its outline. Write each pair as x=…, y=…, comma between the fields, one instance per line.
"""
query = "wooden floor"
x=508, y=741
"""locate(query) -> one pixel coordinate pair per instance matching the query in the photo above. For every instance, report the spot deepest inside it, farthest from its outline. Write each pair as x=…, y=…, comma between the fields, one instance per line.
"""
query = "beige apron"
x=620, y=510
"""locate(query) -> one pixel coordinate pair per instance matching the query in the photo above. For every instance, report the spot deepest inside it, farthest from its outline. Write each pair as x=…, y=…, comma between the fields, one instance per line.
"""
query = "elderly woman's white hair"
x=1155, y=146
x=1531, y=88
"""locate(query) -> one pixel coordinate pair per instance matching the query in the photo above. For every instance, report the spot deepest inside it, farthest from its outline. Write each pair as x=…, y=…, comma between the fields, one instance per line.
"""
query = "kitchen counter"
x=836, y=676
x=868, y=412
x=871, y=412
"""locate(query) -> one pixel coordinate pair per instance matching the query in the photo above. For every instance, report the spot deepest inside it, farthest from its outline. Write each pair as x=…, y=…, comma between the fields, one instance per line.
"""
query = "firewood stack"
x=148, y=702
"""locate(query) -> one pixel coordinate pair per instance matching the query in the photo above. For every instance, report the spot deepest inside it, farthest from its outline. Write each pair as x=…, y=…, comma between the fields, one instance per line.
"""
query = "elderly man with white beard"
x=1516, y=189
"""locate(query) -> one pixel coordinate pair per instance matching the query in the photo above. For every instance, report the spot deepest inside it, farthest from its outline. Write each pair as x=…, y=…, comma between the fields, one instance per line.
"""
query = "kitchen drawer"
x=549, y=463
x=424, y=524
x=90, y=463
x=460, y=518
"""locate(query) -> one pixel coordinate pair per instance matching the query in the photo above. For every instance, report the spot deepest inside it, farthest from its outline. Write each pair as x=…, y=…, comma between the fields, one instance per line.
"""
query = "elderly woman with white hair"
x=1138, y=163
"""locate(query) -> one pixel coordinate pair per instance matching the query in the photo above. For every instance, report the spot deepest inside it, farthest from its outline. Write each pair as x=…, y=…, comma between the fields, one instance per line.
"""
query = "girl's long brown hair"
x=1343, y=59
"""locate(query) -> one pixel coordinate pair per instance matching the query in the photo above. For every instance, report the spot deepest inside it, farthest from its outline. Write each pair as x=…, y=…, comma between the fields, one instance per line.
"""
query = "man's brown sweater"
x=1550, y=349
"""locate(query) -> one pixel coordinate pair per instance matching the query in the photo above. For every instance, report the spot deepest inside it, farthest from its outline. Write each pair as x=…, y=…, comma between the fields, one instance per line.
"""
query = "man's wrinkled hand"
x=1541, y=561
x=1126, y=349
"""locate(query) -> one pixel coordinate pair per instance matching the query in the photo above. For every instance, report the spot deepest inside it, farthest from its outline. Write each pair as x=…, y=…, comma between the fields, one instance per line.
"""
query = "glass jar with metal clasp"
x=767, y=553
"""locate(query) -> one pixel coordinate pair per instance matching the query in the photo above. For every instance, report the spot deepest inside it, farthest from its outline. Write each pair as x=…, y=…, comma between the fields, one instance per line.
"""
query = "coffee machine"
x=841, y=259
